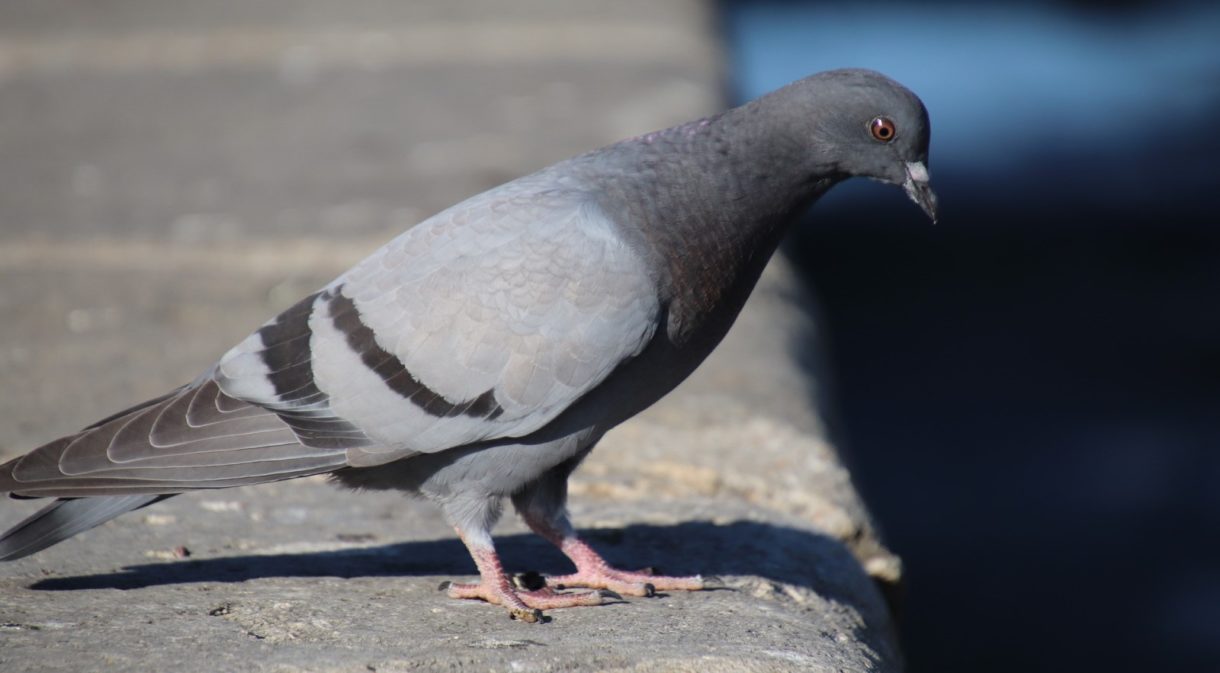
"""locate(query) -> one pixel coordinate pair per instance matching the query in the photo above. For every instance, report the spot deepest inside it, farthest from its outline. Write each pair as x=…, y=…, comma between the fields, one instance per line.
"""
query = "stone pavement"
x=172, y=174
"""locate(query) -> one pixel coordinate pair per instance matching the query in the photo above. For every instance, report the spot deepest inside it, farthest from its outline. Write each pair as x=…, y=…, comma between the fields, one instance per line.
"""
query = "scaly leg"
x=593, y=572
x=543, y=507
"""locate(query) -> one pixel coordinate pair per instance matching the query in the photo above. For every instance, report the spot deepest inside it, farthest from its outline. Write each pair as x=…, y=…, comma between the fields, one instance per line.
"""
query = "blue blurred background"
x=1030, y=390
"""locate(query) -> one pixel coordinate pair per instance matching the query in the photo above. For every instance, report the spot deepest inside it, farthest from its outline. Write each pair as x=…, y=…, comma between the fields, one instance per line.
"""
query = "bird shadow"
x=740, y=548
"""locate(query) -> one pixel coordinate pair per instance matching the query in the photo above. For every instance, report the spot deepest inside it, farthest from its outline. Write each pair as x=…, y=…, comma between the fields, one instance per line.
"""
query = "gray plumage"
x=481, y=354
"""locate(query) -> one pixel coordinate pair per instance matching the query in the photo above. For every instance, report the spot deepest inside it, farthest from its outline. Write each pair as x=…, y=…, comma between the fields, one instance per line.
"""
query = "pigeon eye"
x=882, y=129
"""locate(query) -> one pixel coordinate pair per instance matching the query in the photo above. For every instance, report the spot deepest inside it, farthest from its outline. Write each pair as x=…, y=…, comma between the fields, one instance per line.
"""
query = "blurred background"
x=1026, y=391
x=1030, y=390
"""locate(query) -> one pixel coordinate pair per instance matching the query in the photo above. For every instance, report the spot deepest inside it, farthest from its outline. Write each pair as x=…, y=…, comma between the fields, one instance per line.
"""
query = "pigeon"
x=480, y=355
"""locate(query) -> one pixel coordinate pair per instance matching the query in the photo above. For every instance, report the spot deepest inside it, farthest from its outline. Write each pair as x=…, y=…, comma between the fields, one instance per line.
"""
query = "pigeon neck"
x=712, y=199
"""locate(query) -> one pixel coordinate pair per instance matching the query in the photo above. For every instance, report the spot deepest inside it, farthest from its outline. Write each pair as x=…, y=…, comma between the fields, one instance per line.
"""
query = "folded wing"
x=487, y=321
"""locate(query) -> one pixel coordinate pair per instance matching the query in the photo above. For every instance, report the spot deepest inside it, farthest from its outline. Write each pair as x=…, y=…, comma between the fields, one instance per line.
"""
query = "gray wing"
x=483, y=322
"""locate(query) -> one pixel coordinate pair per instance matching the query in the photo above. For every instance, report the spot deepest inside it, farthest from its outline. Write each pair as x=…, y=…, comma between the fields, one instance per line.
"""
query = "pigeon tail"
x=64, y=518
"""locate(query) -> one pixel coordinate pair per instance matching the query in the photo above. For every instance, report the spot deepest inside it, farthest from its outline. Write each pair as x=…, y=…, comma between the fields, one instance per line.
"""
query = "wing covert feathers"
x=484, y=322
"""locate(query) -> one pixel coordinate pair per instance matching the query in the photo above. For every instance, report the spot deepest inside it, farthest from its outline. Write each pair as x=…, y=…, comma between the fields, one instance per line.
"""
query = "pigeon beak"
x=917, y=187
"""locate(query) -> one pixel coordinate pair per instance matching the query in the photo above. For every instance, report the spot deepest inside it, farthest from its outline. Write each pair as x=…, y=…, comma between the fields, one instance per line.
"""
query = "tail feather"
x=64, y=518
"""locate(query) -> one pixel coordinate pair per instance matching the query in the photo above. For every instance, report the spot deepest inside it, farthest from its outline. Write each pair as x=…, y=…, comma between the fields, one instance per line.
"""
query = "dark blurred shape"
x=1030, y=390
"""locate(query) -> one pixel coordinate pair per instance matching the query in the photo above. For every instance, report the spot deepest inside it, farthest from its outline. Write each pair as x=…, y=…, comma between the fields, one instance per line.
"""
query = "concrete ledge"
x=148, y=234
x=303, y=576
x=300, y=577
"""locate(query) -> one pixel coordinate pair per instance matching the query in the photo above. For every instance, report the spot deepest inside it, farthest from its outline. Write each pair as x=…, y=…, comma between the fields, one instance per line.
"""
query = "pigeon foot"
x=626, y=582
x=593, y=572
x=525, y=599
x=526, y=606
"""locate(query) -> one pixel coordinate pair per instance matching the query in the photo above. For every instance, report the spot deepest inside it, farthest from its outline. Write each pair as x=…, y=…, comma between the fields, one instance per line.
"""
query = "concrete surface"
x=173, y=174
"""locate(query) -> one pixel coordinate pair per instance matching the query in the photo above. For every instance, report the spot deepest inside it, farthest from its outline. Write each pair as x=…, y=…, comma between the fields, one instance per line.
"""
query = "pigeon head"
x=866, y=124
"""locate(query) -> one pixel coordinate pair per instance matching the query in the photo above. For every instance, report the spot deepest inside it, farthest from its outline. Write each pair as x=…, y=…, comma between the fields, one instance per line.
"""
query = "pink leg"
x=495, y=587
x=593, y=572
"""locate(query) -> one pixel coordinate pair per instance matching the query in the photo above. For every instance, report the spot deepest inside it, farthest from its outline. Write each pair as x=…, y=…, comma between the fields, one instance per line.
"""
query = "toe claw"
x=713, y=582
x=444, y=586
x=606, y=593
x=531, y=616
x=650, y=590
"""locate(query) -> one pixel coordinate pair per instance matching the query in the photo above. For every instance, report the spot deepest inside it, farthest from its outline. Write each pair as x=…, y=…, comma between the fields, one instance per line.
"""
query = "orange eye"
x=882, y=129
